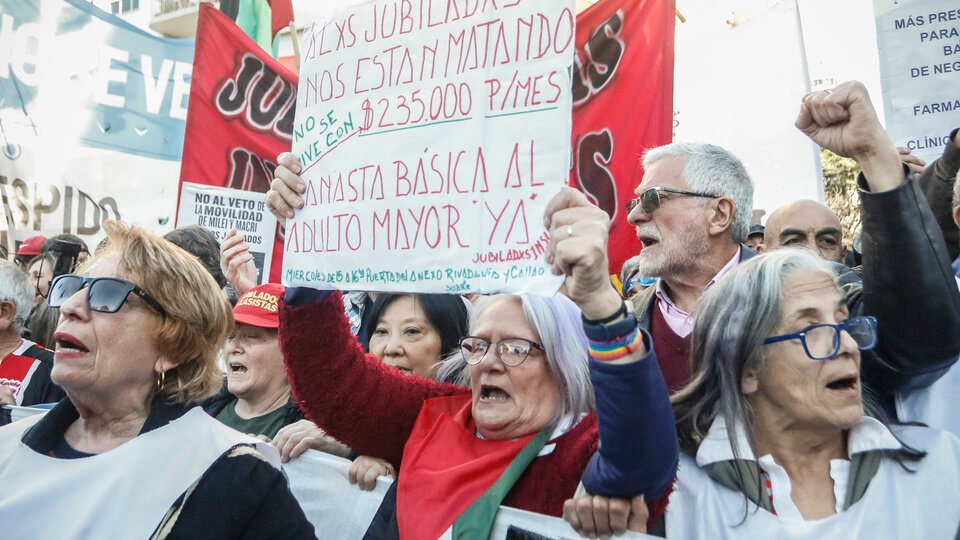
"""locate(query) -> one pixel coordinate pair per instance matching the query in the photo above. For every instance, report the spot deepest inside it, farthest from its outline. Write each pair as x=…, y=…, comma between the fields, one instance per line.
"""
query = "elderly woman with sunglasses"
x=526, y=424
x=778, y=439
x=126, y=453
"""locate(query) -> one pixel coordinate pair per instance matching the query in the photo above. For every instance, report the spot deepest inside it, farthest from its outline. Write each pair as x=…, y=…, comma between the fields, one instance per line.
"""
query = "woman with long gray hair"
x=778, y=437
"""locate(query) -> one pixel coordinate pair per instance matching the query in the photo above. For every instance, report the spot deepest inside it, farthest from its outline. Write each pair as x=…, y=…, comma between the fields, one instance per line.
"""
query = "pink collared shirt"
x=679, y=320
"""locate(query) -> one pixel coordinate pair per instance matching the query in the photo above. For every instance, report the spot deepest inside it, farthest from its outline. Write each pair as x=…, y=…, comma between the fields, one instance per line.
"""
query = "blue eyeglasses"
x=822, y=341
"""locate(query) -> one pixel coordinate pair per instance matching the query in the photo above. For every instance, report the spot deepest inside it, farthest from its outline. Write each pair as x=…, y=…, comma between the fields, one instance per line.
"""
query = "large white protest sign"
x=726, y=92
x=431, y=135
x=222, y=209
x=340, y=510
x=919, y=44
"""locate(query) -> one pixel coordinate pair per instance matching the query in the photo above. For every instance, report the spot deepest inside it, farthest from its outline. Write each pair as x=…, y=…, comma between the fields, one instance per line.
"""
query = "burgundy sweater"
x=372, y=407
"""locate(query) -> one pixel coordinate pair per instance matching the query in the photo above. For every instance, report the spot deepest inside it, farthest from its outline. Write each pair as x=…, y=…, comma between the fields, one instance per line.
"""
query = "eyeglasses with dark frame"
x=104, y=294
x=649, y=199
x=822, y=341
x=512, y=351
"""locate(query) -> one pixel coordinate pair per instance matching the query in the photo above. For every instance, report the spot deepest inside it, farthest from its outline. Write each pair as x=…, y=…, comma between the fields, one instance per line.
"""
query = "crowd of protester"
x=737, y=381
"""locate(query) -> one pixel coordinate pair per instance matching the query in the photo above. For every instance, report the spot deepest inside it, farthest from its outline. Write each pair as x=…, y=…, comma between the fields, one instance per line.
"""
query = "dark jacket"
x=214, y=405
x=937, y=184
x=907, y=284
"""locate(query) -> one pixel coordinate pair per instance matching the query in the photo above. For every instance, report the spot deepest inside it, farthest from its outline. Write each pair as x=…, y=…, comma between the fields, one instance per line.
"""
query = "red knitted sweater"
x=372, y=407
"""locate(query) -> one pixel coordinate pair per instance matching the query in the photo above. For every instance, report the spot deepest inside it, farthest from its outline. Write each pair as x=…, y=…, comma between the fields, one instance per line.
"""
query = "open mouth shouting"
x=236, y=368
x=67, y=345
x=493, y=394
x=847, y=383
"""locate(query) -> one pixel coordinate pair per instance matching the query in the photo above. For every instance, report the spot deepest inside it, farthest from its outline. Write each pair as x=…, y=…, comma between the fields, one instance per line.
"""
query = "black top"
x=239, y=496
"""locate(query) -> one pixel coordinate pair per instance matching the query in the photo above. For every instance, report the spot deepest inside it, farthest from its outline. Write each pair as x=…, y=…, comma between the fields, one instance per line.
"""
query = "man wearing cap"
x=255, y=398
x=755, y=238
x=28, y=250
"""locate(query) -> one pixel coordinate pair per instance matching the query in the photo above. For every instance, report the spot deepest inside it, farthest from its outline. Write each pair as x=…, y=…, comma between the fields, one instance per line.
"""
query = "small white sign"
x=221, y=210
x=919, y=45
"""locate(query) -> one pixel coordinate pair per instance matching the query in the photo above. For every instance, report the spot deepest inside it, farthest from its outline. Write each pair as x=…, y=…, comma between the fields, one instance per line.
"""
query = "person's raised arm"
x=351, y=395
x=236, y=263
x=638, y=442
x=907, y=281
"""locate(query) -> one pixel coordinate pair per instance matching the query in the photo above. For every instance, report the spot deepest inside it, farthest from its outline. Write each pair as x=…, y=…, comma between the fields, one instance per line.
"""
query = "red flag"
x=241, y=111
x=282, y=15
x=623, y=104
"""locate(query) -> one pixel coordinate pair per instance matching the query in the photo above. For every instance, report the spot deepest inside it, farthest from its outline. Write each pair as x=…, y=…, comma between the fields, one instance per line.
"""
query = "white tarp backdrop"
x=733, y=92
x=92, y=113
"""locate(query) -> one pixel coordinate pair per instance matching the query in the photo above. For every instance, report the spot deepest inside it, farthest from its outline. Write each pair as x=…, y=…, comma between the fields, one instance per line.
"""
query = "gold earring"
x=161, y=379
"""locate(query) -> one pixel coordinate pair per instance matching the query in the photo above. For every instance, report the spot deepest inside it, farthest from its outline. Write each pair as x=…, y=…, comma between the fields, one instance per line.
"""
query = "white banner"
x=221, y=210
x=92, y=115
x=727, y=94
x=919, y=44
x=343, y=511
x=431, y=140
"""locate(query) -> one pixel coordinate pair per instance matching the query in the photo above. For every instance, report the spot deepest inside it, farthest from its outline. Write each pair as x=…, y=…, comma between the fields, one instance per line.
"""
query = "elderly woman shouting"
x=775, y=439
x=524, y=429
x=125, y=454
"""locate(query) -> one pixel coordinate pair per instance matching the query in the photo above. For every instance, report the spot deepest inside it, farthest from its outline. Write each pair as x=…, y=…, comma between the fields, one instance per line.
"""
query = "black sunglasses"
x=104, y=294
x=649, y=200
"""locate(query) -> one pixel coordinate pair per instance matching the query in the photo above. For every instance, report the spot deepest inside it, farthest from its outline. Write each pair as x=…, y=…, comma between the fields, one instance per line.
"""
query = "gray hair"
x=15, y=287
x=748, y=302
x=711, y=169
x=557, y=321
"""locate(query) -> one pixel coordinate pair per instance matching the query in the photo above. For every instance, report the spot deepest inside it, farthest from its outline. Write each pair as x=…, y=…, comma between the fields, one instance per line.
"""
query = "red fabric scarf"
x=446, y=467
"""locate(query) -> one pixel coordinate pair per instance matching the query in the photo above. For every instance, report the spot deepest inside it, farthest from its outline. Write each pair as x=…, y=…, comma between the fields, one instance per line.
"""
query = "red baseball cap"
x=260, y=306
x=31, y=246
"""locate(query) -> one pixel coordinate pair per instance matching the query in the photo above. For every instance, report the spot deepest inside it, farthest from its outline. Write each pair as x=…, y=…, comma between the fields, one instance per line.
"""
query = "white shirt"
x=922, y=503
x=869, y=434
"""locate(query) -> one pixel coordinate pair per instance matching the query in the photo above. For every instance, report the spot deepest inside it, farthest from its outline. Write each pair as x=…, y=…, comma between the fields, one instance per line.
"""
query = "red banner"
x=623, y=105
x=241, y=111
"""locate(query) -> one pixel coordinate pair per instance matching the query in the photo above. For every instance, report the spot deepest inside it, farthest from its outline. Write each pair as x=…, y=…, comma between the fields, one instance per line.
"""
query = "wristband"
x=616, y=349
x=611, y=331
x=622, y=312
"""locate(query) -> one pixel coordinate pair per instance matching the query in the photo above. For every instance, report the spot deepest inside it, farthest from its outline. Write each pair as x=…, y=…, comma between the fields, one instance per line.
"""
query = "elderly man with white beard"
x=691, y=213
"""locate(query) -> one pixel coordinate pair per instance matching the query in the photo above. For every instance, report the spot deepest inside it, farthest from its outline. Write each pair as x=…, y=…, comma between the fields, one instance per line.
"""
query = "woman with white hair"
x=778, y=439
x=520, y=433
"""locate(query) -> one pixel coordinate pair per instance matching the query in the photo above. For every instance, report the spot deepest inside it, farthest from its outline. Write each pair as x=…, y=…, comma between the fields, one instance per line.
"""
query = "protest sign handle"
x=296, y=42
